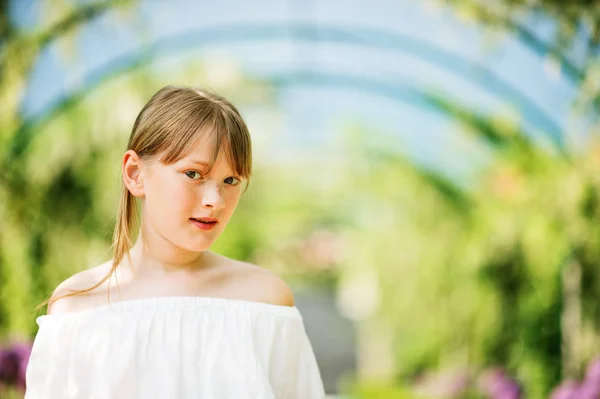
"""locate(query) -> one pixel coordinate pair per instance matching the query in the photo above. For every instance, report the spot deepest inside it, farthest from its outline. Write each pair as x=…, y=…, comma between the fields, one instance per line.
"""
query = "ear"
x=133, y=175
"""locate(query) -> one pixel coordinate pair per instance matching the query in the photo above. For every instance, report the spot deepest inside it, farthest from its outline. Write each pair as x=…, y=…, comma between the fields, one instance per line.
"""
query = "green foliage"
x=471, y=276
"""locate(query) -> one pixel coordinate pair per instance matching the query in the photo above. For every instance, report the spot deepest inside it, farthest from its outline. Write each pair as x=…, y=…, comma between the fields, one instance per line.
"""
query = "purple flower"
x=569, y=389
x=495, y=384
x=508, y=389
x=13, y=365
x=589, y=390
x=593, y=372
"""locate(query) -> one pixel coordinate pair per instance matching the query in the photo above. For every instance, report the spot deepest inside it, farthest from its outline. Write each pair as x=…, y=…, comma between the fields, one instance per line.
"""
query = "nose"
x=211, y=196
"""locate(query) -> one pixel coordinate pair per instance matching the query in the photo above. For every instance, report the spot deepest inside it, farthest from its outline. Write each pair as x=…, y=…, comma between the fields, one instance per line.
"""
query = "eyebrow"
x=198, y=162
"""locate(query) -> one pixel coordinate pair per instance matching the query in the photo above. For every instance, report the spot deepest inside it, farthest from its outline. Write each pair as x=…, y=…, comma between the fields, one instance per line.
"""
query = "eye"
x=190, y=174
x=232, y=181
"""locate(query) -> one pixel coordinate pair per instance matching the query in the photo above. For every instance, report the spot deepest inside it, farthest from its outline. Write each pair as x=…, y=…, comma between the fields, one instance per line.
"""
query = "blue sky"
x=397, y=45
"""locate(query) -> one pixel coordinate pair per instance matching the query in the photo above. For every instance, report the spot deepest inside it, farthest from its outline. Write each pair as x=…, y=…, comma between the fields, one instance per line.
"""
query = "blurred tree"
x=501, y=272
x=572, y=47
x=21, y=242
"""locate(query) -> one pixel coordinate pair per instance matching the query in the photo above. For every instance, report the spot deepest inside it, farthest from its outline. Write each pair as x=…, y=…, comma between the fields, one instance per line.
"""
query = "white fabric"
x=174, y=347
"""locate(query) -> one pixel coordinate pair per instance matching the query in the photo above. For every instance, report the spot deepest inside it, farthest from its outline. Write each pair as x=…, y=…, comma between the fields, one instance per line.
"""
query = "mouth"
x=204, y=223
x=205, y=220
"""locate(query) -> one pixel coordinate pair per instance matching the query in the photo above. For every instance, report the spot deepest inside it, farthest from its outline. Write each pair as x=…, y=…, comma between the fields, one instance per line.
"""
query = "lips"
x=206, y=220
x=204, y=223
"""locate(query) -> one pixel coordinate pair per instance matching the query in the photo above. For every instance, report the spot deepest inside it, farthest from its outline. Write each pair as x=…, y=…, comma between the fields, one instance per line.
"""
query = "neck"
x=153, y=256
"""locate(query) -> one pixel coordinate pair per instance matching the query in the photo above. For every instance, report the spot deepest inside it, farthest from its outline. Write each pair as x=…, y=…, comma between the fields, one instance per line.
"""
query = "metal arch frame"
x=240, y=33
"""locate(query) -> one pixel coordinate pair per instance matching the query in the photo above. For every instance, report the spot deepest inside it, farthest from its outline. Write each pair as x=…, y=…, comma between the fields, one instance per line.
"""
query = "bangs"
x=199, y=124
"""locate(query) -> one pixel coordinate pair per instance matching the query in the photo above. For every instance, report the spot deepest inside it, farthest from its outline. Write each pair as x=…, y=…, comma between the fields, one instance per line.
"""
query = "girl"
x=188, y=323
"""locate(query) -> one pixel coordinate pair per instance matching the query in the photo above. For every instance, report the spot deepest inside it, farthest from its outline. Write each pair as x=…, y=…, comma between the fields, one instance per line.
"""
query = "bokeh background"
x=427, y=174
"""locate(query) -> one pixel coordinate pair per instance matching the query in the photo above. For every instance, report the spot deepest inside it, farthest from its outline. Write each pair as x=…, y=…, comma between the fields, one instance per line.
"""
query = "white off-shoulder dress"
x=174, y=347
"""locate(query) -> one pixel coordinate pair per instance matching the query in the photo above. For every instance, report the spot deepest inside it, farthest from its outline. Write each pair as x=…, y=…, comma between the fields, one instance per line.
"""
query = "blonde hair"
x=170, y=123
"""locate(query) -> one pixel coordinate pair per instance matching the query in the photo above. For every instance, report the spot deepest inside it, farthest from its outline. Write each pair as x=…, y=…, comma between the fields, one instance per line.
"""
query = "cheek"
x=169, y=197
x=232, y=200
x=182, y=198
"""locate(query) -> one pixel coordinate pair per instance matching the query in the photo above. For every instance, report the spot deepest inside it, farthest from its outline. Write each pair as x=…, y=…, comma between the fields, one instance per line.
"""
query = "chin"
x=198, y=246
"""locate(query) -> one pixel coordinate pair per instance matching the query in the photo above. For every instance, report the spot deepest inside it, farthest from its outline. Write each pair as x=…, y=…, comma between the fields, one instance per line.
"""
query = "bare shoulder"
x=78, y=281
x=263, y=285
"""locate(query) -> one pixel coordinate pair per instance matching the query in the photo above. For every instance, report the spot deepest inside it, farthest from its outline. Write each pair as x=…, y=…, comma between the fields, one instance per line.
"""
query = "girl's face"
x=187, y=206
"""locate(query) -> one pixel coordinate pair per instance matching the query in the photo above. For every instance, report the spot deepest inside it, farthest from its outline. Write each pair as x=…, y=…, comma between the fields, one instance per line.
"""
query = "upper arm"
x=293, y=369
x=61, y=305
x=275, y=290
x=83, y=280
x=65, y=305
